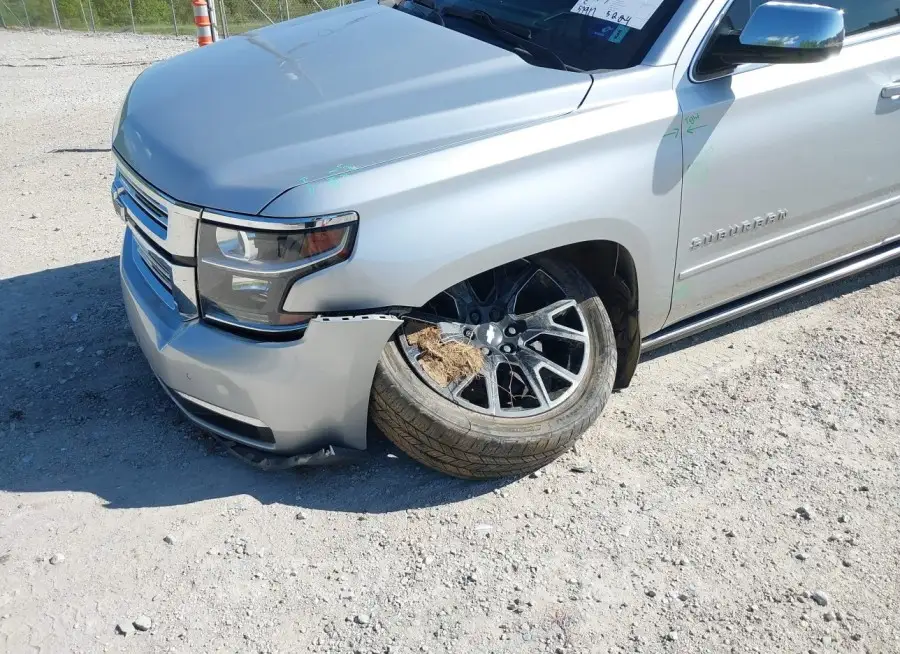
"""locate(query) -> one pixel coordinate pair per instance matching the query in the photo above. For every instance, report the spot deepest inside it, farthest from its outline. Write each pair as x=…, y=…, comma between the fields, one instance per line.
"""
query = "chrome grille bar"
x=167, y=224
x=136, y=250
x=154, y=211
x=174, y=284
x=160, y=239
x=157, y=265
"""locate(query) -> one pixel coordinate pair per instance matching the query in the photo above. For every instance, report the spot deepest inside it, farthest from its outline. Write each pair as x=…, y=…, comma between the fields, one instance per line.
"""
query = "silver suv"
x=466, y=219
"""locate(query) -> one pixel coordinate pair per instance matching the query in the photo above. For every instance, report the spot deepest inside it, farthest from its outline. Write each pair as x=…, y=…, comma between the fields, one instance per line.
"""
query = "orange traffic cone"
x=201, y=20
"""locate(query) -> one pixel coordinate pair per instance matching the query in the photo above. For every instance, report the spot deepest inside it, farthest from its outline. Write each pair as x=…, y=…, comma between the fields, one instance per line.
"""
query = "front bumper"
x=283, y=397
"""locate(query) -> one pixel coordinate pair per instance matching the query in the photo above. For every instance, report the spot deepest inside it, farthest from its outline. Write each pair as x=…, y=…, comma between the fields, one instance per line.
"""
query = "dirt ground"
x=742, y=496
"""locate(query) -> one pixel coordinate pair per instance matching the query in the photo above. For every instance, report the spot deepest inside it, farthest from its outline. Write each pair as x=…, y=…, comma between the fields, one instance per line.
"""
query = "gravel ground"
x=742, y=496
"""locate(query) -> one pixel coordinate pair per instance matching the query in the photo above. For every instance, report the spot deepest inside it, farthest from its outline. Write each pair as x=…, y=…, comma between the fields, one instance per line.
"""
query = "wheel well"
x=610, y=268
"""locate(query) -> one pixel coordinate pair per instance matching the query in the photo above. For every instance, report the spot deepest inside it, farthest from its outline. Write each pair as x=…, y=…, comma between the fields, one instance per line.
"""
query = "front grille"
x=160, y=239
x=160, y=268
x=153, y=210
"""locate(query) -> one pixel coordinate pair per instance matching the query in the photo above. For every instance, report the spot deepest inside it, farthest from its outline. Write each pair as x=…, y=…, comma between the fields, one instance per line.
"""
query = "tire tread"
x=414, y=422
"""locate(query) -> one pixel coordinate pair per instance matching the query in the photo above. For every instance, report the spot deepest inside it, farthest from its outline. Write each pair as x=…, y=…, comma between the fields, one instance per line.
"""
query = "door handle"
x=891, y=91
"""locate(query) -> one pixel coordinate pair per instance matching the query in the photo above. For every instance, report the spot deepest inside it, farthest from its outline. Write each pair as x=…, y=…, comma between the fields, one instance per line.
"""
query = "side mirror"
x=782, y=33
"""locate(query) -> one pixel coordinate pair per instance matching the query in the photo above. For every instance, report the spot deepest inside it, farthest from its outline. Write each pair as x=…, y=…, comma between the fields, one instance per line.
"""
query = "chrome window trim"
x=178, y=237
x=856, y=39
x=695, y=58
x=264, y=223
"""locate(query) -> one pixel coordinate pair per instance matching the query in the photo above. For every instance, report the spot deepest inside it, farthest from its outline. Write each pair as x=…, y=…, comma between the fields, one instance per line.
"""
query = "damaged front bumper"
x=282, y=399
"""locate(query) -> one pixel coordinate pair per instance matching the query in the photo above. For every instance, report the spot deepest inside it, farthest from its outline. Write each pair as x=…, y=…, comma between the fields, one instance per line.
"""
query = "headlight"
x=244, y=273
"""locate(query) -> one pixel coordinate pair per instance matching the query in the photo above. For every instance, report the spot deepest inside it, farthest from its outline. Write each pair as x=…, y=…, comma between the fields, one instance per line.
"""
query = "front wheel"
x=500, y=374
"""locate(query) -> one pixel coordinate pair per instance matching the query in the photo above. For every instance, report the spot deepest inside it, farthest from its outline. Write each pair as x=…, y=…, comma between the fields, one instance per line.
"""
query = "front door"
x=788, y=167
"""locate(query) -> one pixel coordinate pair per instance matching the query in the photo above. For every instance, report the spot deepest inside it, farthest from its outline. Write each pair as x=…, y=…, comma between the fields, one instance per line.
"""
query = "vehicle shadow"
x=81, y=411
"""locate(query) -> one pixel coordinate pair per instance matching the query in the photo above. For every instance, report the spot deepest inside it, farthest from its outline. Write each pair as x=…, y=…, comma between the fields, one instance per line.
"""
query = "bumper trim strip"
x=224, y=412
x=176, y=397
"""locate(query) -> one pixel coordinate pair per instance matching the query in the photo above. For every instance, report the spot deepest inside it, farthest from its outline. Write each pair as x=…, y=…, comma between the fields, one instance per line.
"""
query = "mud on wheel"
x=499, y=374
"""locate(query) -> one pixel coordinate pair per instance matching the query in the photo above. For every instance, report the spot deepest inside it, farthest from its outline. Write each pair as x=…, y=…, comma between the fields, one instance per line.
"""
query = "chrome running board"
x=728, y=312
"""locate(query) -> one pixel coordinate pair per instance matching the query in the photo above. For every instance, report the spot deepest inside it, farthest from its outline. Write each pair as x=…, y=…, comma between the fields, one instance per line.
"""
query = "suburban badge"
x=738, y=228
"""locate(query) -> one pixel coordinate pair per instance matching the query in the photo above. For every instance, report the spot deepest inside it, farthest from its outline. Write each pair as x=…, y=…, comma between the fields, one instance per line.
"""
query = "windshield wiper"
x=481, y=17
x=435, y=13
x=514, y=34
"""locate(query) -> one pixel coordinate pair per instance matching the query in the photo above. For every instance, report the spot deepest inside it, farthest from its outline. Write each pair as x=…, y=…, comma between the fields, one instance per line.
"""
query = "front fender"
x=606, y=173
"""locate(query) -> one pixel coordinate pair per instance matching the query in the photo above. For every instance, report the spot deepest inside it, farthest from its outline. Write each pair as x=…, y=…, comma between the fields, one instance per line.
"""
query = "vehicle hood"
x=232, y=125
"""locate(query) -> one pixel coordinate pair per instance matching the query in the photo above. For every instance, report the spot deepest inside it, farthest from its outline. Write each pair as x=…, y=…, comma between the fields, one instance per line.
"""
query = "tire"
x=621, y=304
x=464, y=443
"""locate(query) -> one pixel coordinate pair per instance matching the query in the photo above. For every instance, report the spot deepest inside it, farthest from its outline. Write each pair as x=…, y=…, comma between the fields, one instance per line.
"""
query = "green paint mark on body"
x=692, y=120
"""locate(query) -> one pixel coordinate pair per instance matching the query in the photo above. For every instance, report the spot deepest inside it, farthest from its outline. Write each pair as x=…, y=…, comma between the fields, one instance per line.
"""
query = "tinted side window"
x=859, y=15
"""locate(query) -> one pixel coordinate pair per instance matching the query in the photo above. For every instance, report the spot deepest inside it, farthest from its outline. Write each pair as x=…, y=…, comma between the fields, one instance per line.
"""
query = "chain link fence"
x=151, y=16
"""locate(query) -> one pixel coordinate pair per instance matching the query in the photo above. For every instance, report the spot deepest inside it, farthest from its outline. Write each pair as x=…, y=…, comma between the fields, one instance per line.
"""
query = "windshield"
x=571, y=34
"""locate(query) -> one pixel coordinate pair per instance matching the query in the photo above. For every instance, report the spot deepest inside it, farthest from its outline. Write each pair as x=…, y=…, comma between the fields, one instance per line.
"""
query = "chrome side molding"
x=885, y=252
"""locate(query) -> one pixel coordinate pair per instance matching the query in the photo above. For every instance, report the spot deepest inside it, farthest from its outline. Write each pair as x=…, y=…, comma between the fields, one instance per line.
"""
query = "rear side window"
x=859, y=15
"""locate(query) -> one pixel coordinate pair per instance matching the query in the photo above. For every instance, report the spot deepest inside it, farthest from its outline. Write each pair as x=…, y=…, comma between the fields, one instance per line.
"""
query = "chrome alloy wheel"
x=532, y=336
